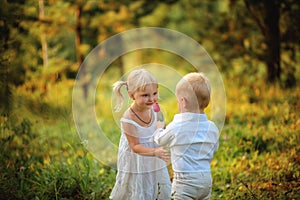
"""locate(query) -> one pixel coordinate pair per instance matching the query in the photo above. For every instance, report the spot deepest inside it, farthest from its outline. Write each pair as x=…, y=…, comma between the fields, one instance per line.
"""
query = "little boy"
x=192, y=139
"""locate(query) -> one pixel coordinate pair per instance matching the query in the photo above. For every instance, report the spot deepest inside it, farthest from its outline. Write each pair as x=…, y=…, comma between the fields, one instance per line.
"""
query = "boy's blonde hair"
x=137, y=80
x=195, y=87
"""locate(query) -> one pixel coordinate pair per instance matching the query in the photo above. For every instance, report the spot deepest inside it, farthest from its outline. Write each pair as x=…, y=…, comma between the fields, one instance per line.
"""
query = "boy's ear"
x=184, y=102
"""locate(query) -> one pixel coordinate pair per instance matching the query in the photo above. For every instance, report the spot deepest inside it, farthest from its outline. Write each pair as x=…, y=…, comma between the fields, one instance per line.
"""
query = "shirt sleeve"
x=163, y=137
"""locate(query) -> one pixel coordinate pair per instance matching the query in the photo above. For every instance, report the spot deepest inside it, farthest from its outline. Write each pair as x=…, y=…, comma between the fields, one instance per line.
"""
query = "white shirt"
x=192, y=139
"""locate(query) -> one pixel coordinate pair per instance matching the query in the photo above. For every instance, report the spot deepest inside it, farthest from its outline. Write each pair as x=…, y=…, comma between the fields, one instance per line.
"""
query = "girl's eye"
x=155, y=93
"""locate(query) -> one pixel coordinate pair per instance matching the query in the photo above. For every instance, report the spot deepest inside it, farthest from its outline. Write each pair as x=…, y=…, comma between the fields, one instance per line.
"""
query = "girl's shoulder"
x=127, y=118
x=126, y=114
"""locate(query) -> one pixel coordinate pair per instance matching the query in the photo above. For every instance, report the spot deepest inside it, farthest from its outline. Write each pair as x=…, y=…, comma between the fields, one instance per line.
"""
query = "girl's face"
x=146, y=97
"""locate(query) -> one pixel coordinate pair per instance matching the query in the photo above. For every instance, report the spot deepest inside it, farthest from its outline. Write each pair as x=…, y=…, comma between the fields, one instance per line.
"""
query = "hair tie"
x=125, y=83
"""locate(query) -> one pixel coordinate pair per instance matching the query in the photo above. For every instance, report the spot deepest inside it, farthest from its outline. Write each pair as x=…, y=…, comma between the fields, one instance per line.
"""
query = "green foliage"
x=258, y=154
x=42, y=156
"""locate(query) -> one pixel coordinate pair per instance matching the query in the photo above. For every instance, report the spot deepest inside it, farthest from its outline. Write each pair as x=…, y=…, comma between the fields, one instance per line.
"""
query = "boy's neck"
x=197, y=111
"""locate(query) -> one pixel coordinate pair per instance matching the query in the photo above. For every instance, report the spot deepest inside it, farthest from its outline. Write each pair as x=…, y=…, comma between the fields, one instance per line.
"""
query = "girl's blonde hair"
x=137, y=80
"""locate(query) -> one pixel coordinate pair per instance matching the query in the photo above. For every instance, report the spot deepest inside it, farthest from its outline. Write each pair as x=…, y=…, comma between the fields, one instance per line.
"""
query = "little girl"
x=142, y=172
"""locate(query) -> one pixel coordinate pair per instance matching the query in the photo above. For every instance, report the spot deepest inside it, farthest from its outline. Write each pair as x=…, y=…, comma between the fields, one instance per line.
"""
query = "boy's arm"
x=163, y=137
x=160, y=136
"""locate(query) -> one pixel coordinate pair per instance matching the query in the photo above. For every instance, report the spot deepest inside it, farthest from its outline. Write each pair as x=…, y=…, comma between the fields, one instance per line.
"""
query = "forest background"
x=255, y=45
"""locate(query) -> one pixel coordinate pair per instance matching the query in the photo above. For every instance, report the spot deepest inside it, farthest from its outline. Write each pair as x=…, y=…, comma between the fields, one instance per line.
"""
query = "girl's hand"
x=162, y=153
x=160, y=120
x=160, y=124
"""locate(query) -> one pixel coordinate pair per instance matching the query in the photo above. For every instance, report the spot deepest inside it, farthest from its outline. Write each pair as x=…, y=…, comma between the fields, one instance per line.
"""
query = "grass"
x=259, y=153
x=42, y=156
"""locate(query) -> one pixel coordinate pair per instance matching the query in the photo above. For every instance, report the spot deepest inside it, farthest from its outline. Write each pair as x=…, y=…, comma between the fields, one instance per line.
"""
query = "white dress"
x=140, y=177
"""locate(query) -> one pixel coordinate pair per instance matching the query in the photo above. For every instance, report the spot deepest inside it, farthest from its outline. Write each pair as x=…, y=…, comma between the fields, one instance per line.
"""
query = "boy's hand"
x=162, y=153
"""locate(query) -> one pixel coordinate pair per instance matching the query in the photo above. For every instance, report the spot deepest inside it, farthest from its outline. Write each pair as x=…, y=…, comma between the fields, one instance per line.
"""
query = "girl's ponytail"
x=119, y=97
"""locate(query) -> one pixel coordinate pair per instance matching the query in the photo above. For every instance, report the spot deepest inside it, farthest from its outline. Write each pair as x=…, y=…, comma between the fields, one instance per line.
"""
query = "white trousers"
x=190, y=186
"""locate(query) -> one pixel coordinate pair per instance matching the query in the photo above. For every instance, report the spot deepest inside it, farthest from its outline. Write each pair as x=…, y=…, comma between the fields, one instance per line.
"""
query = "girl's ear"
x=131, y=95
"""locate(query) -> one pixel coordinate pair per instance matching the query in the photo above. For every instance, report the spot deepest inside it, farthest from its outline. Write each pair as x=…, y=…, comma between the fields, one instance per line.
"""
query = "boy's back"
x=192, y=139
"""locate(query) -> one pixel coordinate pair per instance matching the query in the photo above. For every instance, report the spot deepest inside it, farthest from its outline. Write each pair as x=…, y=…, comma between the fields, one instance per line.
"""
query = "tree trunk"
x=272, y=39
x=43, y=35
x=266, y=15
x=78, y=31
x=79, y=54
x=121, y=63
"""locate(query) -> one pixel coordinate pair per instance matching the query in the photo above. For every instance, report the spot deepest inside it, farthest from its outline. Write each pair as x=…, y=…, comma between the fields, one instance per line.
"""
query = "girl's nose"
x=151, y=98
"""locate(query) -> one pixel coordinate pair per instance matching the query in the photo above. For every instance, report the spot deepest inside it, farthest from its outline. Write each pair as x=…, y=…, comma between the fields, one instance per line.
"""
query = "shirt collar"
x=190, y=116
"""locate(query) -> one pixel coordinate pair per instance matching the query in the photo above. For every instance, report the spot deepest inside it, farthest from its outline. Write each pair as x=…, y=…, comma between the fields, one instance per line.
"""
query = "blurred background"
x=254, y=43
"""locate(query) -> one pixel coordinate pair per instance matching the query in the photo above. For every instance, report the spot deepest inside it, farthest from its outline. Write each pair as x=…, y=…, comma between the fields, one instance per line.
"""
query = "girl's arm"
x=160, y=120
x=133, y=140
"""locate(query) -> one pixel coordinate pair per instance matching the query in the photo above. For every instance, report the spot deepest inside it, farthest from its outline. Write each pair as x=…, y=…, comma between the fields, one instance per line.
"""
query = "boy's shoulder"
x=212, y=124
x=171, y=125
x=213, y=130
